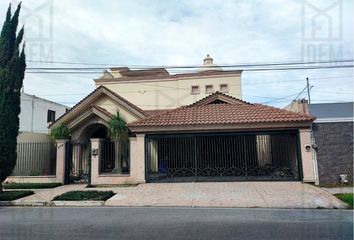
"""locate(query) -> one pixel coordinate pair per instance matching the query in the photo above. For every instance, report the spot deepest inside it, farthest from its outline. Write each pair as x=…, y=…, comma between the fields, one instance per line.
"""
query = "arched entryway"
x=112, y=159
x=79, y=156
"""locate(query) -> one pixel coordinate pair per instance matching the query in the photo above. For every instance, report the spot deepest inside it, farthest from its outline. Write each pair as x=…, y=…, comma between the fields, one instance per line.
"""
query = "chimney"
x=208, y=60
x=299, y=106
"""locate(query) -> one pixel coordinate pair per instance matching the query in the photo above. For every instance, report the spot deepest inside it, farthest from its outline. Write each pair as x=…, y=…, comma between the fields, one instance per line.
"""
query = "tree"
x=12, y=72
x=118, y=132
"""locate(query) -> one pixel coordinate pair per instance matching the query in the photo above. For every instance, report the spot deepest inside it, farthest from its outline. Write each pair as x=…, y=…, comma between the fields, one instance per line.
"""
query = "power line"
x=250, y=70
x=188, y=66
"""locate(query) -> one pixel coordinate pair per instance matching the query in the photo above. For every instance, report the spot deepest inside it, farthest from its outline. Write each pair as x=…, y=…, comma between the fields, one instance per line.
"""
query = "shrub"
x=61, y=132
x=84, y=195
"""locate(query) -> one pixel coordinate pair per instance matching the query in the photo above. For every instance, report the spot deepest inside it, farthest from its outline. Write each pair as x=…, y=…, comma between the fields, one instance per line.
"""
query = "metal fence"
x=113, y=158
x=35, y=159
x=224, y=157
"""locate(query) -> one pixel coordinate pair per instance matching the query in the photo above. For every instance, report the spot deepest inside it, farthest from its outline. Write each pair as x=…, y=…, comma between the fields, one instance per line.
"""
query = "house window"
x=51, y=116
x=195, y=90
x=224, y=88
x=209, y=89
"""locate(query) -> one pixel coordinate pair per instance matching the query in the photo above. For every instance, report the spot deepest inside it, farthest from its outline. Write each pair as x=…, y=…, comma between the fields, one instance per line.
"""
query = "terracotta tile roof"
x=156, y=112
x=222, y=113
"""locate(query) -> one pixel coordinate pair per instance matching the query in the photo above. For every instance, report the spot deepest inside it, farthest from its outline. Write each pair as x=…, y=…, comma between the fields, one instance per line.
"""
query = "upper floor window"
x=50, y=116
x=209, y=89
x=195, y=90
x=224, y=88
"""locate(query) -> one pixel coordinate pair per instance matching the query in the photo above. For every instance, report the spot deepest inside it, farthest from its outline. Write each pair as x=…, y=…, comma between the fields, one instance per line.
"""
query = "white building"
x=37, y=113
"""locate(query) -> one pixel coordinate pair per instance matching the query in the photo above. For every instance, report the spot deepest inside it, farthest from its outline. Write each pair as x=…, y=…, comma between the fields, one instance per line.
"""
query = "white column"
x=139, y=161
x=308, y=164
x=95, y=159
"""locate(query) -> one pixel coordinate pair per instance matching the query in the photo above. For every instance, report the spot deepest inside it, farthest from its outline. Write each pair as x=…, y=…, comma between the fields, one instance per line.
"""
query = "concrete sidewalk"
x=202, y=194
x=339, y=190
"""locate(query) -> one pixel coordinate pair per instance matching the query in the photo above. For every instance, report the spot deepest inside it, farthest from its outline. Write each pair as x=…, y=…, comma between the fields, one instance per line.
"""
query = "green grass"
x=84, y=195
x=30, y=185
x=347, y=198
x=110, y=185
x=13, y=195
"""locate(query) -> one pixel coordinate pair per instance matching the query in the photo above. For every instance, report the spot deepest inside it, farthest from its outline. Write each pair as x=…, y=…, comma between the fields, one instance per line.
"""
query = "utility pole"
x=308, y=89
x=313, y=140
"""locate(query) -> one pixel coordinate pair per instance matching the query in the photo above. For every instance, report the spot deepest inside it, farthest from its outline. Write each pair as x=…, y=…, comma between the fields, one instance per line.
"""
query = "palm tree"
x=118, y=132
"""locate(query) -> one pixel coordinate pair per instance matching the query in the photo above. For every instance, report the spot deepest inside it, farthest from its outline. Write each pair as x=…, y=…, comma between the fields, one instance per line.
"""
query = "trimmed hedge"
x=13, y=195
x=84, y=195
x=30, y=185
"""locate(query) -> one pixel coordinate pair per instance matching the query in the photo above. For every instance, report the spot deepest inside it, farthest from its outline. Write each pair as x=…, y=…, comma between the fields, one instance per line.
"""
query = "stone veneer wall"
x=335, y=151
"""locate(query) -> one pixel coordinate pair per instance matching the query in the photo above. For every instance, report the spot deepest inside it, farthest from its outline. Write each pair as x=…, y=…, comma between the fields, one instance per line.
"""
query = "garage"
x=231, y=156
x=220, y=138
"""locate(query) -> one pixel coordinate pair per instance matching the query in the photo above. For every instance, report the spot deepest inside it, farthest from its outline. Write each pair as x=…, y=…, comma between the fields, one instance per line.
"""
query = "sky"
x=165, y=33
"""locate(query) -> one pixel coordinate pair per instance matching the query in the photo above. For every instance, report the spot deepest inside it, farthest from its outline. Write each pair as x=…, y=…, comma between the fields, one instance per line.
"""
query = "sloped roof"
x=223, y=109
x=89, y=99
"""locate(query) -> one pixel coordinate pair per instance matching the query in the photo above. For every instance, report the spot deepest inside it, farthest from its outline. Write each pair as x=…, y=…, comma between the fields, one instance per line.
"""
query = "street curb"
x=77, y=203
x=23, y=204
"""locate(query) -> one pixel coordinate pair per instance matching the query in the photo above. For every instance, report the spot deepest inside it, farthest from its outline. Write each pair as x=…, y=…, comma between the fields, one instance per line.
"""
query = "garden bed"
x=110, y=185
x=30, y=185
x=84, y=196
x=13, y=195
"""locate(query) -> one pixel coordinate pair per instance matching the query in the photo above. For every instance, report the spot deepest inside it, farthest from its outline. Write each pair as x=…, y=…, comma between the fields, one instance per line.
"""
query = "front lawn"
x=30, y=185
x=84, y=195
x=347, y=198
x=13, y=195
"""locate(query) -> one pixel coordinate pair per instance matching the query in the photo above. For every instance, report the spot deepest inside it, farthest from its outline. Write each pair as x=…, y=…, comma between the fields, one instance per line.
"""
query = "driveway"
x=225, y=194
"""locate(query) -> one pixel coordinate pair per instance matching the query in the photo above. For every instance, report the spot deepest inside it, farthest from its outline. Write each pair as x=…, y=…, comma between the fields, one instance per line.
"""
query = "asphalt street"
x=173, y=223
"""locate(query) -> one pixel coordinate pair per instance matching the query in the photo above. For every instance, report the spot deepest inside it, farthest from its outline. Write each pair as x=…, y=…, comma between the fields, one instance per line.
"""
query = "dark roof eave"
x=222, y=127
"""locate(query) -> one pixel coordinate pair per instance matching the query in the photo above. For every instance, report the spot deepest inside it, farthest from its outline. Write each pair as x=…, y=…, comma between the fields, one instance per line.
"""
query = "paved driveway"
x=226, y=194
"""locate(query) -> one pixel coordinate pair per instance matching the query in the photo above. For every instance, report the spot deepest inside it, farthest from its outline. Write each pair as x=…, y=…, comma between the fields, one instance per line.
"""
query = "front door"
x=78, y=162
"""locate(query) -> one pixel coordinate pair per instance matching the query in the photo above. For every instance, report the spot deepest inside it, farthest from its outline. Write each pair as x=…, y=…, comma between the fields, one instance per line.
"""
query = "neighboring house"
x=37, y=113
x=333, y=131
x=333, y=135
x=215, y=137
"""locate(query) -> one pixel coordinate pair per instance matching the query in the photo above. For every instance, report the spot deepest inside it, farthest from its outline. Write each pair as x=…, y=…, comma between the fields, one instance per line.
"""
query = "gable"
x=105, y=99
x=112, y=107
x=218, y=98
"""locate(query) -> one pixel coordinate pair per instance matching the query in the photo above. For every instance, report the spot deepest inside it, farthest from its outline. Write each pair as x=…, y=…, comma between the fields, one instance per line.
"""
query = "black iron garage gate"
x=223, y=157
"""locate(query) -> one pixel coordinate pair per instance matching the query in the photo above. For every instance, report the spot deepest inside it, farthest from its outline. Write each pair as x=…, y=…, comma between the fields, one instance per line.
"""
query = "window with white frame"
x=224, y=88
x=209, y=89
x=195, y=89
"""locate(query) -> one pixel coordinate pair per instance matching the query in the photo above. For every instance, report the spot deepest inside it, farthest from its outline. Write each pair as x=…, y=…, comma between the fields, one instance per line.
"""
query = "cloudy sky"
x=160, y=33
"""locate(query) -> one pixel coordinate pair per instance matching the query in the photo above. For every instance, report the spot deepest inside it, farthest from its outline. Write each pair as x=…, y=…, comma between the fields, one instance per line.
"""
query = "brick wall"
x=335, y=151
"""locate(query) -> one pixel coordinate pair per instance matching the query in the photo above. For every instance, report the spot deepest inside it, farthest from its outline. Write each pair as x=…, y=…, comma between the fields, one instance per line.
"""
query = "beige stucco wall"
x=112, y=107
x=170, y=93
x=33, y=137
x=31, y=179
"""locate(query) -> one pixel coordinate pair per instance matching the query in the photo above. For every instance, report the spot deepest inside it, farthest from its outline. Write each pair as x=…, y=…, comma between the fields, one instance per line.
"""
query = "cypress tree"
x=12, y=72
